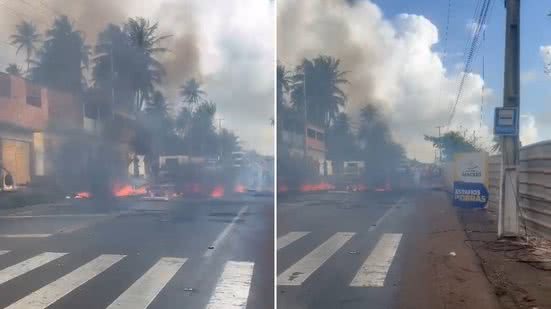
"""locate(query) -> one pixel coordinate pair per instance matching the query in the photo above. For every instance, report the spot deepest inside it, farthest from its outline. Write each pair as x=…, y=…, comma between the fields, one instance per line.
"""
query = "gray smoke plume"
x=390, y=62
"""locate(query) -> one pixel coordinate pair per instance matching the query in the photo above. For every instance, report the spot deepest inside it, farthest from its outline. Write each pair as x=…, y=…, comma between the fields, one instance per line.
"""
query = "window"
x=33, y=96
x=319, y=136
x=311, y=133
x=5, y=86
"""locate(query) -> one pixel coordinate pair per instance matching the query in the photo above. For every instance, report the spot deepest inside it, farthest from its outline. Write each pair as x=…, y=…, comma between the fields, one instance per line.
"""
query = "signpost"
x=506, y=121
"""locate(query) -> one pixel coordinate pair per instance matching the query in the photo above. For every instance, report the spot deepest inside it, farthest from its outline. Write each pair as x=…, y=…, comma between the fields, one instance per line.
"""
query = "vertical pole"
x=439, y=148
x=508, y=223
x=305, y=112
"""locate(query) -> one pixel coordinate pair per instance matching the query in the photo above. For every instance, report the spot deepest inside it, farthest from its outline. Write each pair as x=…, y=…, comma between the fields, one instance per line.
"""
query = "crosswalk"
x=371, y=274
x=231, y=290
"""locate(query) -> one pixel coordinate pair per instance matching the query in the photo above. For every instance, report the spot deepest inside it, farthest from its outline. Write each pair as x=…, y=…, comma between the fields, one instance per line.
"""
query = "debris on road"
x=353, y=252
x=452, y=253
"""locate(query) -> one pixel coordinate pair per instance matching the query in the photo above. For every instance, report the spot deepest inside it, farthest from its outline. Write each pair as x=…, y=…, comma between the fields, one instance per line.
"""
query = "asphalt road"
x=341, y=250
x=137, y=254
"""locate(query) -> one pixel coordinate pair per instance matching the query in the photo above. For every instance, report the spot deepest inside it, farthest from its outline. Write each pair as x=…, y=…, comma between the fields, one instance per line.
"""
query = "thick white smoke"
x=391, y=63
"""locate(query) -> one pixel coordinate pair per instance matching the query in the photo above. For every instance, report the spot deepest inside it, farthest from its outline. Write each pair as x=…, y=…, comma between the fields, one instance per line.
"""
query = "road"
x=372, y=250
x=137, y=254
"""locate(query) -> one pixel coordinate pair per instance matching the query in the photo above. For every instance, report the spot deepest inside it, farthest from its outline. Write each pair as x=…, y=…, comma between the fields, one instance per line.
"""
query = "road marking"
x=375, y=268
x=142, y=292
x=21, y=268
x=47, y=295
x=383, y=217
x=225, y=232
x=55, y=216
x=232, y=290
x=301, y=270
x=289, y=238
x=4, y=252
x=25, y=235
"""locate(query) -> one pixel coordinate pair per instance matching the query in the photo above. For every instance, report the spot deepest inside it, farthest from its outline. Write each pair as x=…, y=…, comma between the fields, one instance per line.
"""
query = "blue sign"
x=470, y=194
x=506, y=121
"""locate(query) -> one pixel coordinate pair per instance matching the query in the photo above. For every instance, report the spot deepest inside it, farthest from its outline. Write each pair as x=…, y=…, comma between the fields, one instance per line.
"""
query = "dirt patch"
x=441, y=270
x=519, y=269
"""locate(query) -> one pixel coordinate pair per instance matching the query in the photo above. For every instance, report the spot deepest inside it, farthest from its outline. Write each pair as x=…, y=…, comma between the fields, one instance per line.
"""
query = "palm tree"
x=26, y=37
x=192, y=93
x=320, y=80
x=63, y=58
x=143, y=37
x=14, y=69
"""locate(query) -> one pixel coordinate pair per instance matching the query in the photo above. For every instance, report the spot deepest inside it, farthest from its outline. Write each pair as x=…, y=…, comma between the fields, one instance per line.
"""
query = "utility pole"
x=220, y=143
x=508, y=223
x=440, y=143
x=305, y=112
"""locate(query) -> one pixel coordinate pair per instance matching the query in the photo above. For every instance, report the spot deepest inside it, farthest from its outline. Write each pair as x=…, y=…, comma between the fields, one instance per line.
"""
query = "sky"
x=398, y=56
x=227, y=45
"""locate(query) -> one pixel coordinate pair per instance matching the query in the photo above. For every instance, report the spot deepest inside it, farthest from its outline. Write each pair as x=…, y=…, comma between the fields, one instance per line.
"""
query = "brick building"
x=35, y=121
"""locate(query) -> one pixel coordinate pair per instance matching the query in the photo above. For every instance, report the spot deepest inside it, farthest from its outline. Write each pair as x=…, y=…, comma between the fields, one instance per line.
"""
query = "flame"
x=240, y=189
x=128, y=190
x=317, y=187
x=81, y=195
x=217, y=192
x=282, y=188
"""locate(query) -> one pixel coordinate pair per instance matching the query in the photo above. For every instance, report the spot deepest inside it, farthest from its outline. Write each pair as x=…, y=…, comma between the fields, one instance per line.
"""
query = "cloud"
x=528, y=129
x=229, y=45
x=527, y=77
x=472, y=27
x=391, y=63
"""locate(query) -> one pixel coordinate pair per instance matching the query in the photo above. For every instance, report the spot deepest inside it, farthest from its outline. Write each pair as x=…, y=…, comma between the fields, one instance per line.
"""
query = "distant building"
x=292, y=140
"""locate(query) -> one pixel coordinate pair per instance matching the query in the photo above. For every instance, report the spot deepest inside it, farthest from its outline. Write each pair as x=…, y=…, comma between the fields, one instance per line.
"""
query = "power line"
x=480, y=24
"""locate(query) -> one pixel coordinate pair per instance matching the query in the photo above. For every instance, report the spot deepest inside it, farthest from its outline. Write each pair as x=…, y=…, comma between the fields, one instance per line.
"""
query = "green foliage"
x=320, y=79
x=454, y=142
x=26, y=37
x=192, y=93
x=14, y=69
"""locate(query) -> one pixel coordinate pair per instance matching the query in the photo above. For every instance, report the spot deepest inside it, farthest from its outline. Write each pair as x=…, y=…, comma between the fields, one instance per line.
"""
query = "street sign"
x=506, y=121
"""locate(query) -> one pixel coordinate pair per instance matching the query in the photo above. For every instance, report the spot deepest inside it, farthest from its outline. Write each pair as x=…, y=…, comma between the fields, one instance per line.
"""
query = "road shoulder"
x=441, y=270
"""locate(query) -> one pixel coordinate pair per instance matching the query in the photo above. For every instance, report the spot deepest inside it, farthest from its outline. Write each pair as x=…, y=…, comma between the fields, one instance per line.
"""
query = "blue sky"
x=535, y=32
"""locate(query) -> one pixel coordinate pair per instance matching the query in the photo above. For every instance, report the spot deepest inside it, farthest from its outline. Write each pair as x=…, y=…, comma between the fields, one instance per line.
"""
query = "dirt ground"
x=442, y=270
x=519, y=270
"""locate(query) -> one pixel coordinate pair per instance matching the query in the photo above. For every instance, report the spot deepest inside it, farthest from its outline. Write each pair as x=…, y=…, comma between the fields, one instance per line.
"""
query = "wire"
x=480, y=24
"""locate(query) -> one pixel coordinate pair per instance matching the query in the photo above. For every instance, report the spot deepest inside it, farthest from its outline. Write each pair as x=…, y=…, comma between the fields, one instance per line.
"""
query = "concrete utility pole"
x=305, y=113
x=439, y=148
x=508, y=223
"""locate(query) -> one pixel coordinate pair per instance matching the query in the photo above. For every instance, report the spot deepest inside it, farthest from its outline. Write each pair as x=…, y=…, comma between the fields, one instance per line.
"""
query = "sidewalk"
x=520, y=271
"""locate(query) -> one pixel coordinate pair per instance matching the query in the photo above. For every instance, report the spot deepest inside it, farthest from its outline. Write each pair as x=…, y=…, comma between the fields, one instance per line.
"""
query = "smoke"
x=390, y=63
x=228, y=45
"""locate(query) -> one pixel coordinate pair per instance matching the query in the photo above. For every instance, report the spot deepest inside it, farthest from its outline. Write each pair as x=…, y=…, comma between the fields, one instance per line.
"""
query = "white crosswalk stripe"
x=145, y=289
x=289, y=238
x=375, y=268
x=232, y=290
x=50, y=293
x=19, y=269
x=300, y=271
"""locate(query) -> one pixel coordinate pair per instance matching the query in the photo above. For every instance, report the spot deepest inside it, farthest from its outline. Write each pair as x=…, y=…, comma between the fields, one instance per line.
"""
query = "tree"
x=26, y=37
x=228, y=142
x=144, y=37
x=341, y=141
x=454, y=142
x=381, y=153
x=283, y=87
x=192, y=93
x=320, y=79
x=63, y=58
x=14, y=69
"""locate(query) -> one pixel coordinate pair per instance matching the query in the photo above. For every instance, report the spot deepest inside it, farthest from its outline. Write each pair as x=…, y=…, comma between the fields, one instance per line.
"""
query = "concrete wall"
x=534, y=187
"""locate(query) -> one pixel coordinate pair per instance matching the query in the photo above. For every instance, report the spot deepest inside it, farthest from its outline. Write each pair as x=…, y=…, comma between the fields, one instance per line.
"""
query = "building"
x=292, y=140
x=36, y=121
